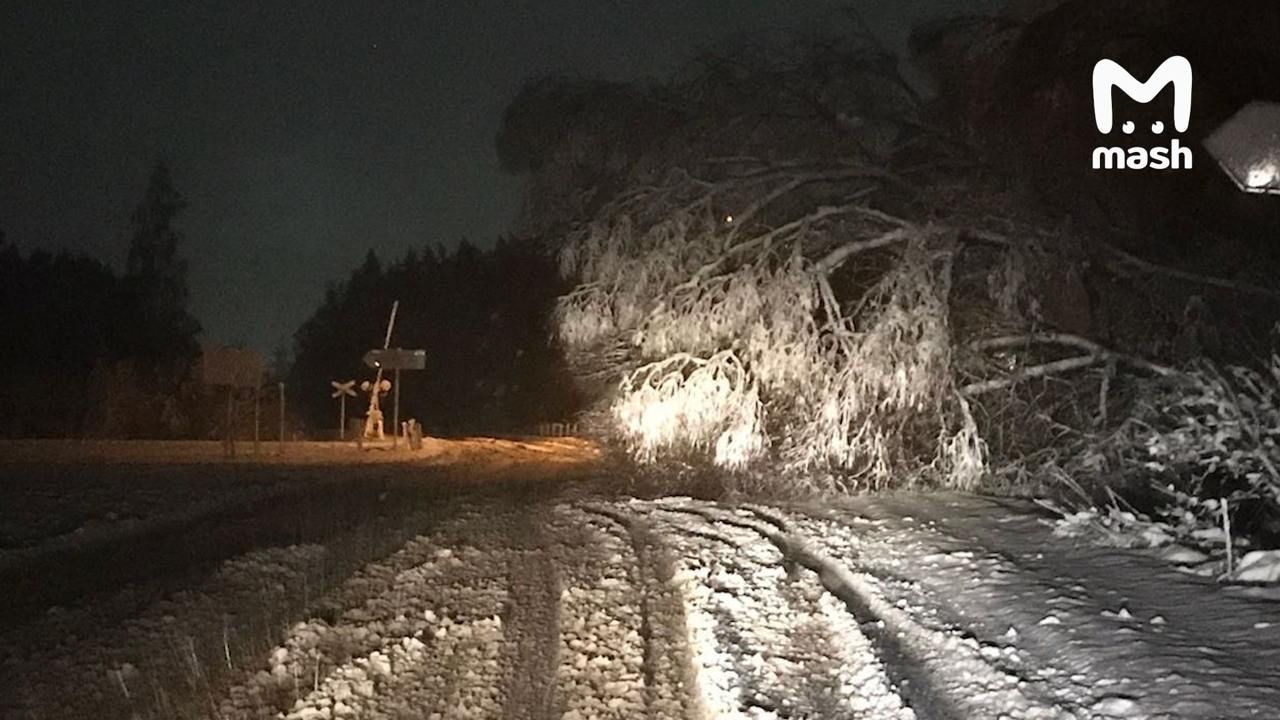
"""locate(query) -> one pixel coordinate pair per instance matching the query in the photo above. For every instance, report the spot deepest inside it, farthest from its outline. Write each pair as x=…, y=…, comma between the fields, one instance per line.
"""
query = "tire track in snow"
x=601, y=668
x=772, y=643
x=532, y=622
x=669, y=669
x=1182, y=649
x=942, y=676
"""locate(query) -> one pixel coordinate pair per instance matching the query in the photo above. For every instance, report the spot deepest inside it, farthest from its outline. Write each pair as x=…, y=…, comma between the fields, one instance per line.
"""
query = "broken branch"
x=1036, y=371
x=1056, y=338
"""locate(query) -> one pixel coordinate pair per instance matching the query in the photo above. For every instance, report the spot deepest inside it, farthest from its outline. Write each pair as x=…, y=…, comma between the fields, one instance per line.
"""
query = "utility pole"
x=257, y=416
x=395, y=414
x=229, y=433
x=281, y=418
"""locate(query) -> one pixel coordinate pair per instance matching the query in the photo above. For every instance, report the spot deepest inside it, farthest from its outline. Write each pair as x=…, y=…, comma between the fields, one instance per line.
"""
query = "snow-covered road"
x=576, y=608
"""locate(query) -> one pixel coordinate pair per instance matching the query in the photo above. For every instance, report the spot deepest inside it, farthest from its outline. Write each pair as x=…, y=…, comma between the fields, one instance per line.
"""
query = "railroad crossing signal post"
x=343, y=390
x=396, y=359
x=373, y=420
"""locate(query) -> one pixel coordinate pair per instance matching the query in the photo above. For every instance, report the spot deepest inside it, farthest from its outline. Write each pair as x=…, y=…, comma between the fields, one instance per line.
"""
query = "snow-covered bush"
x=1212, y=437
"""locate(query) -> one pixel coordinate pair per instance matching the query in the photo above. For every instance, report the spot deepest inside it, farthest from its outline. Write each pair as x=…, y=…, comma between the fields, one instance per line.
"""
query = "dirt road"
x=527, y=600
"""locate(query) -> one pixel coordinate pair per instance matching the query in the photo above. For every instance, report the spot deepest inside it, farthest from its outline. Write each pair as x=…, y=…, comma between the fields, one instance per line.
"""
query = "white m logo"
x=1108, y=74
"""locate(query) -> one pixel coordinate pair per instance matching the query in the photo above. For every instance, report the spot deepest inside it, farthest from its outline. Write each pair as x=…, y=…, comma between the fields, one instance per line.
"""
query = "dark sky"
x=303, y=132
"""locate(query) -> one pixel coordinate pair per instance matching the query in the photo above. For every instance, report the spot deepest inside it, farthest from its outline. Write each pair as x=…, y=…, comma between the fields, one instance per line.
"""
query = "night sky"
x=304, y=132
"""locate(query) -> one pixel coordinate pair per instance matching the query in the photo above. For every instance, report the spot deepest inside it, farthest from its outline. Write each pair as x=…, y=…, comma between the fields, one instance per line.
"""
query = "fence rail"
x=556, y=429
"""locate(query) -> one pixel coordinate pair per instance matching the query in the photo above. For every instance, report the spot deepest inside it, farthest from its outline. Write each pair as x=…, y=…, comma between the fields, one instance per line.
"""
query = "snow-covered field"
x=48, y=506
x=515, y=605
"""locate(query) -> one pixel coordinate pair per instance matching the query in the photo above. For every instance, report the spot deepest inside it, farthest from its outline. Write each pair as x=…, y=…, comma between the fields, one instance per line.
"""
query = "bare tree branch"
x=1036, y=371
x=821, y=213
x=1056, y=338
x=743, y=217
x=1097, y=353
x=836, y=257
x=1153, y=268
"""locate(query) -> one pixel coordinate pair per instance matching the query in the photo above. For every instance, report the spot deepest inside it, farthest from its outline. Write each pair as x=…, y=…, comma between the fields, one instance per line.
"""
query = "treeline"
x=89, y=352
x=483, y=316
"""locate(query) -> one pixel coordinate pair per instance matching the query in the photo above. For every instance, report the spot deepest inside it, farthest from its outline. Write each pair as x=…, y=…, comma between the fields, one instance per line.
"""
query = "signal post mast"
x=373, y=426
x=394, y=359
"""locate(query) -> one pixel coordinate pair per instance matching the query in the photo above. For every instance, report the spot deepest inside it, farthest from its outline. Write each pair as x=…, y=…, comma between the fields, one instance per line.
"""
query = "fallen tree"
x=801, y=282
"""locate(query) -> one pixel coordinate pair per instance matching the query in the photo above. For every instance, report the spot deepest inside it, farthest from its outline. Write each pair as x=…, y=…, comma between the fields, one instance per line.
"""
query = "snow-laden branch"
x=687, y=402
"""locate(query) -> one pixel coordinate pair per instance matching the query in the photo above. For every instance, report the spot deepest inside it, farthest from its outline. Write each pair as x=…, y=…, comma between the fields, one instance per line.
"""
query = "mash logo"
x=1108, y=75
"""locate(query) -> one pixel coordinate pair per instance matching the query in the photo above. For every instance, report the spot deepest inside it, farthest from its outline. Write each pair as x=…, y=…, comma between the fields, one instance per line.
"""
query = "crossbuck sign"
x=1108, y=75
